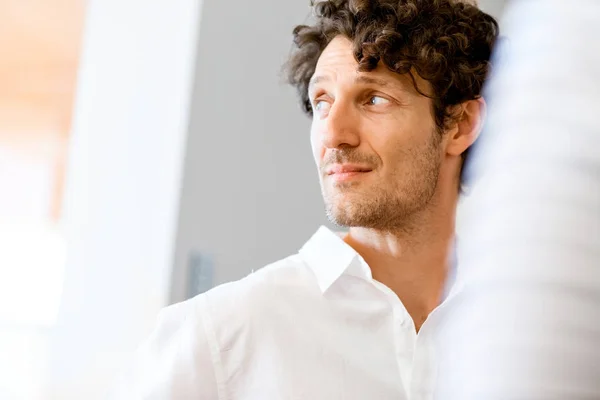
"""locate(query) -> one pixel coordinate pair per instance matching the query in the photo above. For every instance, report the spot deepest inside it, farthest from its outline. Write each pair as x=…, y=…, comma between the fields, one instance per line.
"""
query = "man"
x=394, y=89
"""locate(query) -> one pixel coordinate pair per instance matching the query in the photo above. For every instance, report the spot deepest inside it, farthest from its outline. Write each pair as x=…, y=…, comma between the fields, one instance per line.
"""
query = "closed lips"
x=345, y=168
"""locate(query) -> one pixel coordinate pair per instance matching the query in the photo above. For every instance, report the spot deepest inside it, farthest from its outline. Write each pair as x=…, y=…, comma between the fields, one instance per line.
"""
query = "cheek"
x=394, y=142
x=387, y=143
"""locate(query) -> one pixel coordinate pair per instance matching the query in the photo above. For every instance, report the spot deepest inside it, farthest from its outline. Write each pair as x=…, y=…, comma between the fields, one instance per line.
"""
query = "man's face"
x=374, y=140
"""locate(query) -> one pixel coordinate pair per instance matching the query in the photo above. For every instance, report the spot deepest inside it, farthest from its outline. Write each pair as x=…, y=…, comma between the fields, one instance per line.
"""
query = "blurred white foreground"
x=527, y=324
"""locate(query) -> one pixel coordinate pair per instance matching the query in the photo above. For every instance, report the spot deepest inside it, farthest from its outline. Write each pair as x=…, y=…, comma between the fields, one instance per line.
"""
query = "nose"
x=340, y=127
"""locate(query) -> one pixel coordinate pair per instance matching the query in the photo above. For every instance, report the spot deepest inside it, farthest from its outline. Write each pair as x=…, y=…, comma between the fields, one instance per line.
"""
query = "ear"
x=468, y=125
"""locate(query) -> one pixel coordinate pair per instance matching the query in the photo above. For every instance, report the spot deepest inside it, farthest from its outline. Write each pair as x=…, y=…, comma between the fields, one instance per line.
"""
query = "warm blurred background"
x=40, y=44
x=148, y=151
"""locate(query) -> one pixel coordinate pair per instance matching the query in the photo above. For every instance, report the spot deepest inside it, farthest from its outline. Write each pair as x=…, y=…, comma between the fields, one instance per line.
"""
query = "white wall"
x=131, y=120
x=250, y=191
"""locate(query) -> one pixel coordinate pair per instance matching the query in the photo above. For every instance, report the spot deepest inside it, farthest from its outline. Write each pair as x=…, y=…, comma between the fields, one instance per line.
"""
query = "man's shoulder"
x=283, y=281
x=196, y=340
x=275, y=282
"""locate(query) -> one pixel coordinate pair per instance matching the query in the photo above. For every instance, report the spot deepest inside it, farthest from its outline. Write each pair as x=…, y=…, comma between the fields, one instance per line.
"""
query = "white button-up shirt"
x=313, y=326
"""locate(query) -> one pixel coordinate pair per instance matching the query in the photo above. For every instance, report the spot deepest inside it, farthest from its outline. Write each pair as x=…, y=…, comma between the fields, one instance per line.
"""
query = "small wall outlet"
x=200, y=273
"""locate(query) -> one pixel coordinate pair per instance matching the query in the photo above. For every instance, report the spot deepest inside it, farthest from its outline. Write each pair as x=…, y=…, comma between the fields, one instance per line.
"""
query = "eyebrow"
x=316, y=79
x=371, y=80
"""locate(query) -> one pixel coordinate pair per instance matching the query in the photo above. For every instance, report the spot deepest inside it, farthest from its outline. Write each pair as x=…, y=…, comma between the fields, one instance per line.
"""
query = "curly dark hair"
x=446, y=42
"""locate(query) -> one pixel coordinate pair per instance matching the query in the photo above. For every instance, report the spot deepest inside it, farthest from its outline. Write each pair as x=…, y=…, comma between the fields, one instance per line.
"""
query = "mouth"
x=346, y=172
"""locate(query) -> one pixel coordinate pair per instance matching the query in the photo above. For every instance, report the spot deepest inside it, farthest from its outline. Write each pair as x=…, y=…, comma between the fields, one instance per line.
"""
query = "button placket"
x=404, y=335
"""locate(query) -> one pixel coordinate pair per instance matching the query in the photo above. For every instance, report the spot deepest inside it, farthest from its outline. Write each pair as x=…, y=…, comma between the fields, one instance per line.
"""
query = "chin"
x=352, y=221
x=353, y=208
x=346, y=214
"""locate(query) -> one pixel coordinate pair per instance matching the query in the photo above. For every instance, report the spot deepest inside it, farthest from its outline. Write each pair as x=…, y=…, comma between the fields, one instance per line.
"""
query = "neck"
x=413, y=261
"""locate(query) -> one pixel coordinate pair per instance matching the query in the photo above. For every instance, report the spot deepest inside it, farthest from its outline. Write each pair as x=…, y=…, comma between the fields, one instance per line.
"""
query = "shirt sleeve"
x=177, y=361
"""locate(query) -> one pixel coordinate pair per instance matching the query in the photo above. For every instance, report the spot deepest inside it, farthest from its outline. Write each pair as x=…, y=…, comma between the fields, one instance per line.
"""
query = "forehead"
x=338, y=54
x=337, y=63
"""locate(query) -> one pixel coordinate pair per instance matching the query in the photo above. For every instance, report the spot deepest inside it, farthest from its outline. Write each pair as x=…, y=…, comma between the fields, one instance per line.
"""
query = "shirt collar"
x=330, y=257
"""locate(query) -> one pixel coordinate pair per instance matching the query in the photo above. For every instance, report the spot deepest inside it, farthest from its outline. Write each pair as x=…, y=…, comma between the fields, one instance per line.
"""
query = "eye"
x=377, y=100
x=321, y=107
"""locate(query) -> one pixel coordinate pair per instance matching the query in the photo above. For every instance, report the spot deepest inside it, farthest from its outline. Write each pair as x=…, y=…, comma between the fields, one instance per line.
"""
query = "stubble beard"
x=382, y=205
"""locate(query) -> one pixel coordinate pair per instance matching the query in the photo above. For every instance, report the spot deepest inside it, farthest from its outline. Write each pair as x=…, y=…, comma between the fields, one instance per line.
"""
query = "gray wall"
x=250, y=188
x=492, y=7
